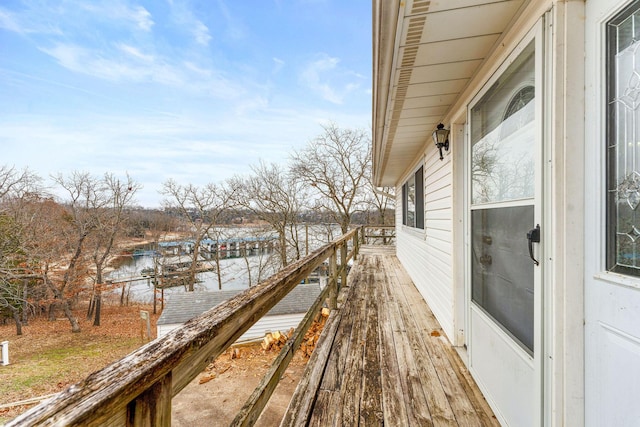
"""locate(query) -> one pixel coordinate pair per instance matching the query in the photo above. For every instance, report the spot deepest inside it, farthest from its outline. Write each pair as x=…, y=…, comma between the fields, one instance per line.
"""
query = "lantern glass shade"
x=441, y=139
x=440, y=135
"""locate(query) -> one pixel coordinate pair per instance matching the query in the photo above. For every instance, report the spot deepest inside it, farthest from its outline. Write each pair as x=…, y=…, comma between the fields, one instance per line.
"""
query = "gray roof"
x=181, y=307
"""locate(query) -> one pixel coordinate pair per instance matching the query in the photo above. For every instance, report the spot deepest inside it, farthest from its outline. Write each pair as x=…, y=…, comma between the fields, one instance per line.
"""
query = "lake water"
x=234, y=271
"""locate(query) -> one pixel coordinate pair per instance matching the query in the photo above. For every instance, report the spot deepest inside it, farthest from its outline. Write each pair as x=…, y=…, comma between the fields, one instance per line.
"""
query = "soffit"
x=425, y=54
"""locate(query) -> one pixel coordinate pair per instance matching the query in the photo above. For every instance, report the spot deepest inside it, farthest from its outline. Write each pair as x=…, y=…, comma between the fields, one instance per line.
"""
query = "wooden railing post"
x=153, y=407
x=252, y=409
x=343, y=263
x=333, y=280
x=356, y=245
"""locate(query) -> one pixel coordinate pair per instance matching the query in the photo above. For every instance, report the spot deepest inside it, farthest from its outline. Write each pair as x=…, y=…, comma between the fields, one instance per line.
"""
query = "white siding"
x=280, y=323
x=427, y=256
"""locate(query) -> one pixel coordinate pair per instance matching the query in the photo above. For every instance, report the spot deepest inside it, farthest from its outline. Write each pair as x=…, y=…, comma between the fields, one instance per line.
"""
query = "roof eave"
x=385, y=26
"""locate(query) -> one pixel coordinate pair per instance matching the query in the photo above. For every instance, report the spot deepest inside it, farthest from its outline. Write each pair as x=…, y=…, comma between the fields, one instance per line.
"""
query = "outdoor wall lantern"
x=441, y=139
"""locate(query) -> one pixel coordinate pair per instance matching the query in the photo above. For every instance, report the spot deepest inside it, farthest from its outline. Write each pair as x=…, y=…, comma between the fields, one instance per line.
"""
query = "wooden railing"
x=378, y=234
x=137, y=390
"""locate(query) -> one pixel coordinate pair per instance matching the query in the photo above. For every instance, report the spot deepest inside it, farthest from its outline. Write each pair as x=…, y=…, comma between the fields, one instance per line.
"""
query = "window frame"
x=416, y=179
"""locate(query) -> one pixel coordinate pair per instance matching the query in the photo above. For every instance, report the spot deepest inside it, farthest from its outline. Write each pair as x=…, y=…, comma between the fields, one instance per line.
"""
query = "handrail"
x=137, y=389
x=252, y=409
x=387, y=233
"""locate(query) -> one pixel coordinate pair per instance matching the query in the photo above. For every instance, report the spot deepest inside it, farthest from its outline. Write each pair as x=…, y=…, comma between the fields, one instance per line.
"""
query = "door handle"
x=533, y=236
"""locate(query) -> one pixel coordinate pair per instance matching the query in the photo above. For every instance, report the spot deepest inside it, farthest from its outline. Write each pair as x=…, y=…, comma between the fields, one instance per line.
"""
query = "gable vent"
x=415, y=29
x=420, y=6
x=409, y=56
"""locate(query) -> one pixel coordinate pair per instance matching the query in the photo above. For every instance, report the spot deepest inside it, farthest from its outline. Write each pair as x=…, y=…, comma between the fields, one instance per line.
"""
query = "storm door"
x=504, y=238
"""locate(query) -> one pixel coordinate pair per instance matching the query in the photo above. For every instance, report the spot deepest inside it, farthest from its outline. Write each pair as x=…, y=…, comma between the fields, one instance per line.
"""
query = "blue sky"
x=191, y=90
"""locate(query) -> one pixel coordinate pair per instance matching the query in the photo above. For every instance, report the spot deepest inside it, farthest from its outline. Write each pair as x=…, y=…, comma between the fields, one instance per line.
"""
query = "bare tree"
x=160, y=224
x=109, y=224
x=17, y=189
x=87, y=199
x=277, y=198
x=336, y=165
x=16, y=182
x=200, y=208
x=45, y=244
x=11, y=295
x=382, y=201
x=258, y=260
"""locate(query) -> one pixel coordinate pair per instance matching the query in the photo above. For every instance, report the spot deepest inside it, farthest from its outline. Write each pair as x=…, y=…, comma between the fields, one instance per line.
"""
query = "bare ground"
x=215, y=402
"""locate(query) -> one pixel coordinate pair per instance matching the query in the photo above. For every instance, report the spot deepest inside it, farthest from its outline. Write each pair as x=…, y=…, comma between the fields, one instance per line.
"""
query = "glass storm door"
x=504, y=218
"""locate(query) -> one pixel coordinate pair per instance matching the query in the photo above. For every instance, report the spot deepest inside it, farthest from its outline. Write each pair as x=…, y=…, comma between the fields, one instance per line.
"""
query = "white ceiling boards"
x=425, y=54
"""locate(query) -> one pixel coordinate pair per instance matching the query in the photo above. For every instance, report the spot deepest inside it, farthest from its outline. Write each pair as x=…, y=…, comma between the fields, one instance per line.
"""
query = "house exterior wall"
x=280, y=323
x=427, y=254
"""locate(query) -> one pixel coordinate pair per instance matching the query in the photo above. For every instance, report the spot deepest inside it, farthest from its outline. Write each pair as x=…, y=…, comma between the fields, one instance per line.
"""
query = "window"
x=503, y=135
x=413, y=200
x=623, y=141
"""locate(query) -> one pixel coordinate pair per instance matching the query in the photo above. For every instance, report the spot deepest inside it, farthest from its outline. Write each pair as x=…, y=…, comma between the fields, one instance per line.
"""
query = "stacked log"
x=311, y=337
x=276, y=340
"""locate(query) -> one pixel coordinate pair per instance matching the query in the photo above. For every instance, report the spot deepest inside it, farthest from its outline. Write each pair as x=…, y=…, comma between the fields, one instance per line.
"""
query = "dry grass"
x=48, y=357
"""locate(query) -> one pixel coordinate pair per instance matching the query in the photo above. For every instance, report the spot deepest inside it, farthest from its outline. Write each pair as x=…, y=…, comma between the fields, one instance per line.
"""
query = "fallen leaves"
x=48, y=357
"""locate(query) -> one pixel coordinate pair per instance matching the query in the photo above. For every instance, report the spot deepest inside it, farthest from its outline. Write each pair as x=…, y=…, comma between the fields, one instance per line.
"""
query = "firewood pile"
x=274, y=341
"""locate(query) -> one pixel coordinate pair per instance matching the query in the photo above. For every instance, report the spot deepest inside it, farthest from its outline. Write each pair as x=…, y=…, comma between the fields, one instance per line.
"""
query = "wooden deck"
x=383, y=359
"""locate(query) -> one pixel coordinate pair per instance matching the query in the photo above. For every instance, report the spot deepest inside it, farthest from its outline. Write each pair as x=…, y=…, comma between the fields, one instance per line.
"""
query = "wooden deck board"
x=389, y=362
x=448, y=394
x=415, y=401
x=351, y=390
x=395, y=411
x=457, y=375
x=371, y=410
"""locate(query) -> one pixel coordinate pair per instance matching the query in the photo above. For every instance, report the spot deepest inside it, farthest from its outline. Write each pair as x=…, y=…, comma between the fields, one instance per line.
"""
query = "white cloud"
x=185, y=19
x=251, y=104
x=115, y=12
x=87, y=61
x=184, y=111
x=332, y=82
x=31, y=22
x=195, y=147
x=201, y=71
x=135, y=52
x=102, y=39
x=201, y=33
x=73, y=19
x=142, y=18
x=136, y=66
x=8, y=21
x=235, y=29
x=314, y=77
x=278, y=64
